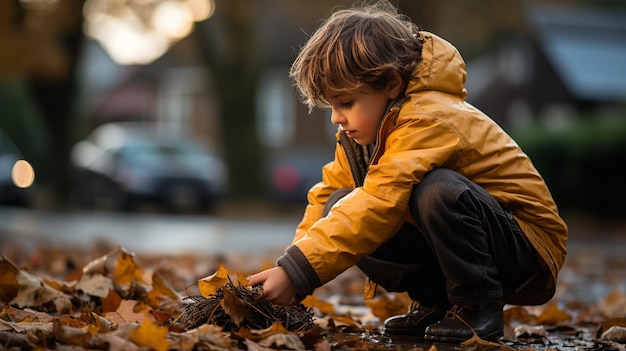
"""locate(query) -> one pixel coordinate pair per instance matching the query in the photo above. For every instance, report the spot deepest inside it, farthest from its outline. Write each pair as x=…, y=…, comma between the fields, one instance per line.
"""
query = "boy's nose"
x=336, y=117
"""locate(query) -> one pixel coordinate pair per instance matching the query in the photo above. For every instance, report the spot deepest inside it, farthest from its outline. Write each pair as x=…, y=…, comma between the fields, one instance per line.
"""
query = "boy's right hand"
x=277, y=286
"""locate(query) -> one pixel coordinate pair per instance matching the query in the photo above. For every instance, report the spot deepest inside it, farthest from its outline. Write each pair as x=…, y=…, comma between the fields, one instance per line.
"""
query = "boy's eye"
x=347, y=103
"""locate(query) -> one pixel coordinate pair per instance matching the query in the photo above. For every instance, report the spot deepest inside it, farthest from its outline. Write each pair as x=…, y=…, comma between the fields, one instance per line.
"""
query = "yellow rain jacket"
x=434, y=127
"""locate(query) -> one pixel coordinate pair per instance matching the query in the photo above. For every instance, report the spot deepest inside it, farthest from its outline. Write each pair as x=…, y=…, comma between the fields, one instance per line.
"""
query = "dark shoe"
x=461, y=323
x=416, y=321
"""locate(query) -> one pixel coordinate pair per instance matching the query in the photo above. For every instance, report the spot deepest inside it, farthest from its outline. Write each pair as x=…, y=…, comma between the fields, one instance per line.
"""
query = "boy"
x=426, y=194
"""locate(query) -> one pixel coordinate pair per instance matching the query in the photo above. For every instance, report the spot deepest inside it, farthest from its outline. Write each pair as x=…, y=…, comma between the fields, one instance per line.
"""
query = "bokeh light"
x=140, y=31
x=23, y=174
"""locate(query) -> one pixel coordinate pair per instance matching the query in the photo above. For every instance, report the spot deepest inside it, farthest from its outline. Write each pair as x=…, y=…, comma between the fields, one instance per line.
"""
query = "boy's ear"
x=394, y=87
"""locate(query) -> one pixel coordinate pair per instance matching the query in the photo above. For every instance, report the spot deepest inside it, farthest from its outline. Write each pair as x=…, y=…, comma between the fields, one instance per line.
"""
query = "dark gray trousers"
x=465, y=248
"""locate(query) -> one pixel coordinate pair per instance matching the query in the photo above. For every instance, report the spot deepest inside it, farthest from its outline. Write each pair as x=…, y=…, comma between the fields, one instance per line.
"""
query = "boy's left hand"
x=277, y=286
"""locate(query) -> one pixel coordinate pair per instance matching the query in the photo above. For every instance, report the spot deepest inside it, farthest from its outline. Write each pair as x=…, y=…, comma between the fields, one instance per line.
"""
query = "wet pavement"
x=147, y=232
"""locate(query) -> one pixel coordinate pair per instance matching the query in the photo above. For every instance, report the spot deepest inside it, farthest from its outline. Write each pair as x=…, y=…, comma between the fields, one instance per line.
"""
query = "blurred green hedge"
x=582, y=162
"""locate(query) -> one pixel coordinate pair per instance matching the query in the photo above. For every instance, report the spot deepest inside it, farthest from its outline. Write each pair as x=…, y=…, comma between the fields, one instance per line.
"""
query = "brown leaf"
x=126, y=314
x=209, y=335
x=209, y=285
x=103, y=325
x=260, y=334
x=33, y=292
x=34, y=327
x=150, y=335
x=160, y=292
x=520, y=314
x=95, y=284
x=20, y=315
x=553, y=315
x=615, y=333
x=72, y=335
x=388, y=305
x=113, y=342
x=281, y=341
x=619, y=322
x=475, y=343
x=111, y=302
x=613, y=305
x=325, y=308
x=237, y=309
x=526, y=331
x=9, y=285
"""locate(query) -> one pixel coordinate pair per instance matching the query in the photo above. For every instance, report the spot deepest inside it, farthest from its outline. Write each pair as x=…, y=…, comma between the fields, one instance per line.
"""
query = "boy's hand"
x=277, y=286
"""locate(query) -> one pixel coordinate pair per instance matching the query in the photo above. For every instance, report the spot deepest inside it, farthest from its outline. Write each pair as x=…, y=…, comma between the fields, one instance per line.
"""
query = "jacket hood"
x=442, y=68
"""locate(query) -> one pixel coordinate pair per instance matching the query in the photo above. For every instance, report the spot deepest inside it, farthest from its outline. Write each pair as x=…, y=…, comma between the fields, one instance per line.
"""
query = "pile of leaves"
x=114, y=303
x=235, y=306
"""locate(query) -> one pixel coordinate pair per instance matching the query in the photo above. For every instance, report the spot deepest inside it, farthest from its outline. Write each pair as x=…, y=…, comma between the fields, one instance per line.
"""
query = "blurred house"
x=572, y=61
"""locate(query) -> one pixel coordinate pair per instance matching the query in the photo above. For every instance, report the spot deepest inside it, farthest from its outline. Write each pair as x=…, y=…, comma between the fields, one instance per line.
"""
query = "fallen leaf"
x=260, y=334
x=126, y=270
x=324, y=308
x=126, y=314
x=615, y=333
x=150, y=335
x=553, y=315
x=208, y=335
x=160, y=292
x=95, y=285
x=388, y=305
x=534, y=332
x=113, y=342
x=72, y=335
x=103, y=324
x=209, y=285
x=613, y=305
x=9, y=286
x=19, y=315
x=234, y=307
x=475, y=343
x=33, y=292
x=34, y=327
x=111, y=302
x=281, y=341
x=519, y=314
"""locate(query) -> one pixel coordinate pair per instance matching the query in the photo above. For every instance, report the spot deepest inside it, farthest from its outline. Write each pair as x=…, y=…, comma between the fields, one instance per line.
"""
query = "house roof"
x=586, y=46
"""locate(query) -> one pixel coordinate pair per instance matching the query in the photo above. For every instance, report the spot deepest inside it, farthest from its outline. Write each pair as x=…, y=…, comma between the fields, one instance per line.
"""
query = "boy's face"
x=358, y=113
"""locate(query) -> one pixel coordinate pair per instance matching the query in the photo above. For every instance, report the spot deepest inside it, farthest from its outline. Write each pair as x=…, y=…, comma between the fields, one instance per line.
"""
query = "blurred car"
x=290, y=173
x=121, y=165
x=17, y=176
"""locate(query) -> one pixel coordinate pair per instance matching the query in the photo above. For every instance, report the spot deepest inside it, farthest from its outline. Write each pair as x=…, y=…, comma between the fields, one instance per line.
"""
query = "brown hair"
x=354, y=47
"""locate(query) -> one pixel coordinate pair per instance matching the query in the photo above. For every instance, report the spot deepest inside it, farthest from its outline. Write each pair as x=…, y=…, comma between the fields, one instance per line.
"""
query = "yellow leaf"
x=553, y=315
x=324, y=307
x=150, y=335
x=478, y=344
x=160, y=290
x=126, y=270
x=210, y=284
x=389, y=304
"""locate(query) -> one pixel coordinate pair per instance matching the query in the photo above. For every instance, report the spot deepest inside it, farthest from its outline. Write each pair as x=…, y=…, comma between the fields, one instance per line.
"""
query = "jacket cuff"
x=300, y=271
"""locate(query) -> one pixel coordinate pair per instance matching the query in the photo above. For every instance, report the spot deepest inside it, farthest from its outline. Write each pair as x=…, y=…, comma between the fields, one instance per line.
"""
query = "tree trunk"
x=230, y=54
